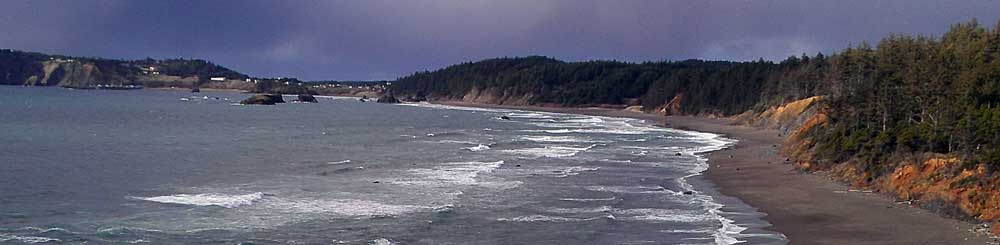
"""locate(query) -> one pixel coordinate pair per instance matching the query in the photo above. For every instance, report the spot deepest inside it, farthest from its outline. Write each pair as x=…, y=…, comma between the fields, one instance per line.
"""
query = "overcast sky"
x=351, y=40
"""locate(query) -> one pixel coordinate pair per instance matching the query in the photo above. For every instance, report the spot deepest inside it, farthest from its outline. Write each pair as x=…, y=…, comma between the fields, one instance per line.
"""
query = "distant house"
x=217, y=79
x=149, y=70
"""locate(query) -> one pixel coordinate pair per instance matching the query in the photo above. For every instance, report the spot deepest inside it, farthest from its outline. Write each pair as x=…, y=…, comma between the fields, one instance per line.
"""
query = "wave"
x=479, y=147
x=575, y=170
x=448, y=174
x=550, y=151
x=663, y=215
x=346, y=207
x=339, y=162
x=380, y=241
x=26, y=239
x=600, y=209
x=554, y=139
x=448, y=107
x=546, y=218
x=209, y=199
x=588, y=199
x=630, y=189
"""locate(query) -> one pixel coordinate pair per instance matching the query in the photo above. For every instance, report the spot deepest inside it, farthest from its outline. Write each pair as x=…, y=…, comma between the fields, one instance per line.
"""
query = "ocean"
x=169, y=167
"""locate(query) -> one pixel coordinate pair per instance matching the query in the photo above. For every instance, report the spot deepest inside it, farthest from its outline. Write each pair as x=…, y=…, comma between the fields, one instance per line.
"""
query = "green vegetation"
x=917, y=94
x=906, y=95
x=714, y=87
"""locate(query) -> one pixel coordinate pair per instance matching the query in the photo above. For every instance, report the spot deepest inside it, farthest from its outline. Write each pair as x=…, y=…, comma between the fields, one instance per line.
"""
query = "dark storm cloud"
x=386, y=39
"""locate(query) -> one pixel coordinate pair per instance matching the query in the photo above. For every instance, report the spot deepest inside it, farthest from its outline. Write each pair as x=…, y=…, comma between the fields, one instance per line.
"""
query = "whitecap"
x=449, y=174
x=663, y=215
x=554, y=139
x=550, y=151
x=479, y=147
x=380, y=241
x=339, y=162
x=208, y=199
x=26, y=239
x=544, y=218
x=600, y=209
x=588, y=199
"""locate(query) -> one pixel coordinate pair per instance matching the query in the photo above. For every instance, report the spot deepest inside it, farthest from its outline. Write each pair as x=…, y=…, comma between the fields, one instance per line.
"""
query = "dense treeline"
x=904, y=96
x=16, y=66
x=190, y=67
x=916, y=94
x=714, y=87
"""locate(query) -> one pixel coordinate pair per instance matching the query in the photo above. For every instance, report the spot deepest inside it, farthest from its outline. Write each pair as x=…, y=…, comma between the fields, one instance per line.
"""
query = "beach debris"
x=504, y=117
x=677, y=154
x=688, y=193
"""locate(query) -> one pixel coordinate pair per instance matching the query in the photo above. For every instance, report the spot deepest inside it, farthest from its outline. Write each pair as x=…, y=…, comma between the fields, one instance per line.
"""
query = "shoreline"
x=806, y=208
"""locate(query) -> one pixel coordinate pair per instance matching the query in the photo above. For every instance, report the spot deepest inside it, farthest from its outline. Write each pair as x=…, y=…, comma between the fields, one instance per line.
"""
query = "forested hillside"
x=918, y=116
x=712, y=87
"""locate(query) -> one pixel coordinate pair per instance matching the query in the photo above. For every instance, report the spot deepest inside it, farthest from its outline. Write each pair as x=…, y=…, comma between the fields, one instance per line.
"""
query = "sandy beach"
x=807, y=208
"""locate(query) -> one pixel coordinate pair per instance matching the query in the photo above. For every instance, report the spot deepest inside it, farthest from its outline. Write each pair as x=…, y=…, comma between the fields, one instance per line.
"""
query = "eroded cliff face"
x=497, y=96
x=73, y=74
x=936, y=182
x=786, y=118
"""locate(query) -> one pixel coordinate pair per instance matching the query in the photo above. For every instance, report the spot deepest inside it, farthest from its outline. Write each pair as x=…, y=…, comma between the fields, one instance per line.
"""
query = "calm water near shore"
x=145, y=166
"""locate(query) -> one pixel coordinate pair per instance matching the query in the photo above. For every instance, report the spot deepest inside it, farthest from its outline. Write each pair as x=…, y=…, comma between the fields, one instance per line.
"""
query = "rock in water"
x=263, y=99
x=306, y=98
x=388, y=99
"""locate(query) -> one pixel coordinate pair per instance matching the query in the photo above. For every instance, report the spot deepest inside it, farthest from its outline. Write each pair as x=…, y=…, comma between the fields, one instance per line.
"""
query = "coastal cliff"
x=913, y=117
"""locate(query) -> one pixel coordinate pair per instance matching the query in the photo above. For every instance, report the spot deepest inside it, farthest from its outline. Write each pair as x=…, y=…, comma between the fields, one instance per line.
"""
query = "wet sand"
x=806, y=208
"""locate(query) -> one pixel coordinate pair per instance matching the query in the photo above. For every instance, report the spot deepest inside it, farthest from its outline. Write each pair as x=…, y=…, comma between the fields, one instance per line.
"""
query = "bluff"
x=916, y=117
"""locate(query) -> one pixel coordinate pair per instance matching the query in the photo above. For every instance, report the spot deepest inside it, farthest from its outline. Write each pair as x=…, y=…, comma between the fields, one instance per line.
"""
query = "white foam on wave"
x=572, y=171
x=630, y=189
x=208, y=199
x=344, y=207
x=449, y=174
x=570, y=199
x=545, y=218
x=339, y=162
x=662, y=215
x=480, y=147
x=554, y=139
x=729, y=231
x=599, y=209
x=380, y=241
x=550, y=151
x=464, y=142
x=448, y=107
x=26, y=239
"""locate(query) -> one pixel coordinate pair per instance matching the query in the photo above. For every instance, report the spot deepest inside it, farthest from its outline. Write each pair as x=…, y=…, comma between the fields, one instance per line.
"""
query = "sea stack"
x=263, y=99
x=307, y=98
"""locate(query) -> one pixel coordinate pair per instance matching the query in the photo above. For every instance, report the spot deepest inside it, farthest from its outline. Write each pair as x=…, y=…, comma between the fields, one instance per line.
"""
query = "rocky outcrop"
x=263, y=99
x=306, y=98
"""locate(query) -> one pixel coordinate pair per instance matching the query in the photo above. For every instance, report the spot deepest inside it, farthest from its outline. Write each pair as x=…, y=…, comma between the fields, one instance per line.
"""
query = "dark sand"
x=807, y=208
